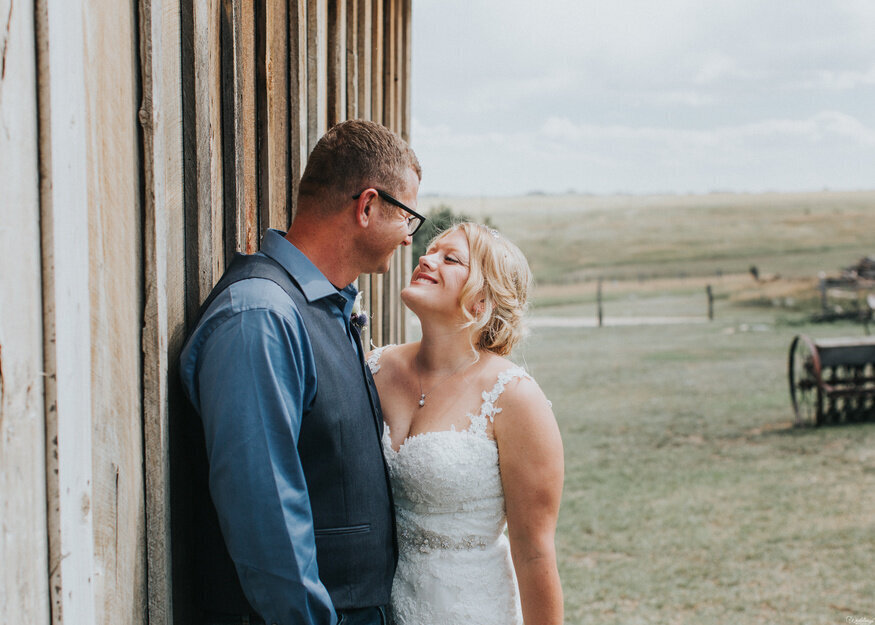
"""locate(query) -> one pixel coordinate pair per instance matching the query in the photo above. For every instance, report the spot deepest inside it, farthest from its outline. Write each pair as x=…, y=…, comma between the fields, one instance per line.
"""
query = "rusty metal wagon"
x=832, y=380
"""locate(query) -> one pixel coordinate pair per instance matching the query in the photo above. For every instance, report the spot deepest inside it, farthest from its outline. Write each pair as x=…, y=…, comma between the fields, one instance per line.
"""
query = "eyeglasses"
x=414, y=221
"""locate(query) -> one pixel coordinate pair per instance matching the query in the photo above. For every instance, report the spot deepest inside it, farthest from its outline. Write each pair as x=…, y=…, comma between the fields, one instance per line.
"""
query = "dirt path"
x=592, y=322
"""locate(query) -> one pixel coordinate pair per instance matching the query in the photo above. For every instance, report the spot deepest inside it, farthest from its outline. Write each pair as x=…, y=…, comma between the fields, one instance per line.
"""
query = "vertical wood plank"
x=23, y=544
x=238, y=109
x=115, y=288
x=406, y=70
x=298, y=124
x=336, y=62
x=352, y=67
x=276, y=85
x=378, y=330
x=66, y=306
x=389, y=62
x=244, y=126
x=164, y=288
x=317, y=65
x=364, y=48
x=377, y=46
x=203, y=142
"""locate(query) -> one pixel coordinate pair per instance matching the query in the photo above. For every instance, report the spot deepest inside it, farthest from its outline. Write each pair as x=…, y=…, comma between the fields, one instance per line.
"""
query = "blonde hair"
x=499, y=275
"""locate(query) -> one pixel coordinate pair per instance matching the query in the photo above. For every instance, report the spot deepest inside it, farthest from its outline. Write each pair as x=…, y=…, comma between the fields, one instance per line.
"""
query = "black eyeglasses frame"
x=399, y=204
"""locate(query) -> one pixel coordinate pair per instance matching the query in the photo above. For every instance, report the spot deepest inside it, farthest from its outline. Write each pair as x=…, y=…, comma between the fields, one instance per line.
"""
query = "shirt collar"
x=313, y=282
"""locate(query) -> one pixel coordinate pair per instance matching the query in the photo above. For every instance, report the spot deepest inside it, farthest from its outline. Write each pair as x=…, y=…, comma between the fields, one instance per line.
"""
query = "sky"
x=643, y=96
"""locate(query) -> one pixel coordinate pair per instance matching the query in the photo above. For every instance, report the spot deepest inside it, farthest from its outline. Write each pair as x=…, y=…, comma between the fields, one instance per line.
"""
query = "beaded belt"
x=427, y=541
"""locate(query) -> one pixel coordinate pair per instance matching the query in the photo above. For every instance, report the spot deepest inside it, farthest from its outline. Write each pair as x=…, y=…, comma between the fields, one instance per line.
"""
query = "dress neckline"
x=478, y=422
x=422, y=435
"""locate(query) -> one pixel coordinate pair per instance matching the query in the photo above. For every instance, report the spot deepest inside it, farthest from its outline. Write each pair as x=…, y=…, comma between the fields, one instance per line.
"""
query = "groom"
x=291, y=419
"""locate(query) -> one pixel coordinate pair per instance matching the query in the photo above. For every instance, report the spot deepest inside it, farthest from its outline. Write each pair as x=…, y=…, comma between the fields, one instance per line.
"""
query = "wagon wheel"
x=805, y=389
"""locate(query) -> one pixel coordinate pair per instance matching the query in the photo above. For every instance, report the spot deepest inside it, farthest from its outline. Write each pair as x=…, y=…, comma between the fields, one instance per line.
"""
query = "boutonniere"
x=358, y=318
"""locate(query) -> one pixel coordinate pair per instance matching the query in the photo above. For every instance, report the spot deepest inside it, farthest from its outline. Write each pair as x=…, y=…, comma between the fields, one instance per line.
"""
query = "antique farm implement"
x=832, y=380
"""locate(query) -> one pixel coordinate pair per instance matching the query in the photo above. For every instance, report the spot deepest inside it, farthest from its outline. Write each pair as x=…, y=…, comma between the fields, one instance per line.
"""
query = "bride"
x=471, y=444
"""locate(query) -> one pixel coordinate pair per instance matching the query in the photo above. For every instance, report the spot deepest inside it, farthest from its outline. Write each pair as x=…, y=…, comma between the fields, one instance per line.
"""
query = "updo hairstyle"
x=499, y=274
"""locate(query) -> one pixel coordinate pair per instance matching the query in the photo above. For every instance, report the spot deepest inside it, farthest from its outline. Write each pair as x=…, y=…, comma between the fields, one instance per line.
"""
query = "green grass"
x=689, y=498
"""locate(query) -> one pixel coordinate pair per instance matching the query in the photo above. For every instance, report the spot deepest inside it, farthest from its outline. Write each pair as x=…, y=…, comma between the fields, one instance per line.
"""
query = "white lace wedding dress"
x=454, y=565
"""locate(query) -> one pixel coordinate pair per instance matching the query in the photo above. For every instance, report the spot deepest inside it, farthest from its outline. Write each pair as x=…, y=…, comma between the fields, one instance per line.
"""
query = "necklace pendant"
x=422, y=400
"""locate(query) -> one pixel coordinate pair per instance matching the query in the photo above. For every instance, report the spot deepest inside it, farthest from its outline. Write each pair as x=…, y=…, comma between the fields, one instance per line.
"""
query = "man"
x=290, y=415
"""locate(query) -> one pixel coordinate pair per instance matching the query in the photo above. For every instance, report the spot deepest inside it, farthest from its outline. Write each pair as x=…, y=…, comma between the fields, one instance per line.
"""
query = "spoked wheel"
x=805, y=389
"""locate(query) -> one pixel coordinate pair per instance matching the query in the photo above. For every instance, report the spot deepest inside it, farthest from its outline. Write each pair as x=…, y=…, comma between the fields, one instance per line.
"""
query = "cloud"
x=828, y=149
x=636, y=95
x=839, y=80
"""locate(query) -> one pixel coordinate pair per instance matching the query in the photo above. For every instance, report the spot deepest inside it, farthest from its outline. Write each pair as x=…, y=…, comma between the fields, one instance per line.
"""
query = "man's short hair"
x=355, y=155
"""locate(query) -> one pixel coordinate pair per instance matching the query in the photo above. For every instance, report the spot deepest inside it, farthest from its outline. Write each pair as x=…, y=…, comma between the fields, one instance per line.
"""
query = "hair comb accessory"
x=494, y=233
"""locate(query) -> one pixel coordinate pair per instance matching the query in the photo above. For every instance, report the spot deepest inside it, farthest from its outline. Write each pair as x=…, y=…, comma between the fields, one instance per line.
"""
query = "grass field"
x=689, y=496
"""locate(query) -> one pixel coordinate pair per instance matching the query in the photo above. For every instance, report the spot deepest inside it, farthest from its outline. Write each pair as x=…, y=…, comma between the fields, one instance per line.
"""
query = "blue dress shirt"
x=248, y=369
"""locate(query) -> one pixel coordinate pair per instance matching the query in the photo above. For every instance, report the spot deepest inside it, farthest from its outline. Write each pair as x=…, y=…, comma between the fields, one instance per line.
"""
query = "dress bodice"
x=450, y=514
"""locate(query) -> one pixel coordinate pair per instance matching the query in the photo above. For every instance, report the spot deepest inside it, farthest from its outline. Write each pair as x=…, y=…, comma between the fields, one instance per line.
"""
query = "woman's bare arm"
x=532, y=470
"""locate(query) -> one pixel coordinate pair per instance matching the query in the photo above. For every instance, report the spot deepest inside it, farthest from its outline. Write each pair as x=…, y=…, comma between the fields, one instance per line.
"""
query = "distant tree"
x=440, y=218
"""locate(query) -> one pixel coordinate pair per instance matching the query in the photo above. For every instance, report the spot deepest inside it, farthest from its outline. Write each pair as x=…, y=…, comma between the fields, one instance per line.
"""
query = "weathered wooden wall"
x=23, y=543
x=141, y=145
x=92, y=276
x=164, y=275
x=262, y=81
x=116, y=293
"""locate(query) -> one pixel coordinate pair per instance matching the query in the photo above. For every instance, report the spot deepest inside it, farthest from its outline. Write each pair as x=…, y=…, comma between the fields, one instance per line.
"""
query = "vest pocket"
x=363, y=528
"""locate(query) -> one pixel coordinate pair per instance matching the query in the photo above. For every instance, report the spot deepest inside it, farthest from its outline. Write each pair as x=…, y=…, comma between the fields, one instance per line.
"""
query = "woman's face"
x=438, y=279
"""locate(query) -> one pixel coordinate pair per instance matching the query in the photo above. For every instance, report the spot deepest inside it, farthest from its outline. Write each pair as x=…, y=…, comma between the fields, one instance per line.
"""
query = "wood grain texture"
x=351, y=51
x=390, y=60
x=115, y=290
x=203, y=149
x=164, y=281
x=364, y=50
x=298, y=141
x=276, y=86
x=238, y=59
x=317, y=71
x=377, y=48
x=62, y=102
x=23, y=543
x=336, y=62
x=406, y=71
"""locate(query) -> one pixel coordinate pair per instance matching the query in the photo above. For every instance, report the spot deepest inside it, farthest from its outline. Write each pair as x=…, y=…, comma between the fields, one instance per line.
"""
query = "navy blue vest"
x=341, y=454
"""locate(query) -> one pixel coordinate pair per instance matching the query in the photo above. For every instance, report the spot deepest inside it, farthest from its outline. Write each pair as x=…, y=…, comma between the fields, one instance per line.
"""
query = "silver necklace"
x=422, y=394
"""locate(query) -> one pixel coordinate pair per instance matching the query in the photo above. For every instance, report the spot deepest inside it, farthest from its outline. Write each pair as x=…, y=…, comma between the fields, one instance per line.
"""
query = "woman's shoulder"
x=519, y=391
x=515, y=383
x=388, y=356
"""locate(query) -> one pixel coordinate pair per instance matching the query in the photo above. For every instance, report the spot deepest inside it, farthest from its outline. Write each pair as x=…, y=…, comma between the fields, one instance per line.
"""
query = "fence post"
x=822, y=287
x=599, y=300
x=710, y=302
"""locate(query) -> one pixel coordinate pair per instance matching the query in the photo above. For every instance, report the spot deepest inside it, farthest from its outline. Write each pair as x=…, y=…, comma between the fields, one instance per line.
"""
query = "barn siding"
x=23, y=542
x=64, y=218
x=143, y=144
x=116, y=306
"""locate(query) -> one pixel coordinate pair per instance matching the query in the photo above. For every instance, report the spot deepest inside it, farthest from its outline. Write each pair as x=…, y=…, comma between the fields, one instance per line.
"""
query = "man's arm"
x=254, y=375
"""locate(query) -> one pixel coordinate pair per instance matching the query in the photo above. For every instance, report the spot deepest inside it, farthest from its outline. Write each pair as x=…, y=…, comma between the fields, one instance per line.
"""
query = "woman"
x=471, y=444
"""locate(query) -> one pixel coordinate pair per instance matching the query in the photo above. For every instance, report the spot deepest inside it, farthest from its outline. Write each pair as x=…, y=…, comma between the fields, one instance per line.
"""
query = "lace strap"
x=488, y=410
x=374, y=358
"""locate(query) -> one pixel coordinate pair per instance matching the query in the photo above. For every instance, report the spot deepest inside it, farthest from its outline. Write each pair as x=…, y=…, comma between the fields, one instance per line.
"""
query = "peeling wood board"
x=164, y=288
x=23, y=543
x=63, y=113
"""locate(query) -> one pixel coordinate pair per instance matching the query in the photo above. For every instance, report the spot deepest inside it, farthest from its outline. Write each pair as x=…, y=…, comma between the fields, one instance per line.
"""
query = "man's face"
x=390, y=225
